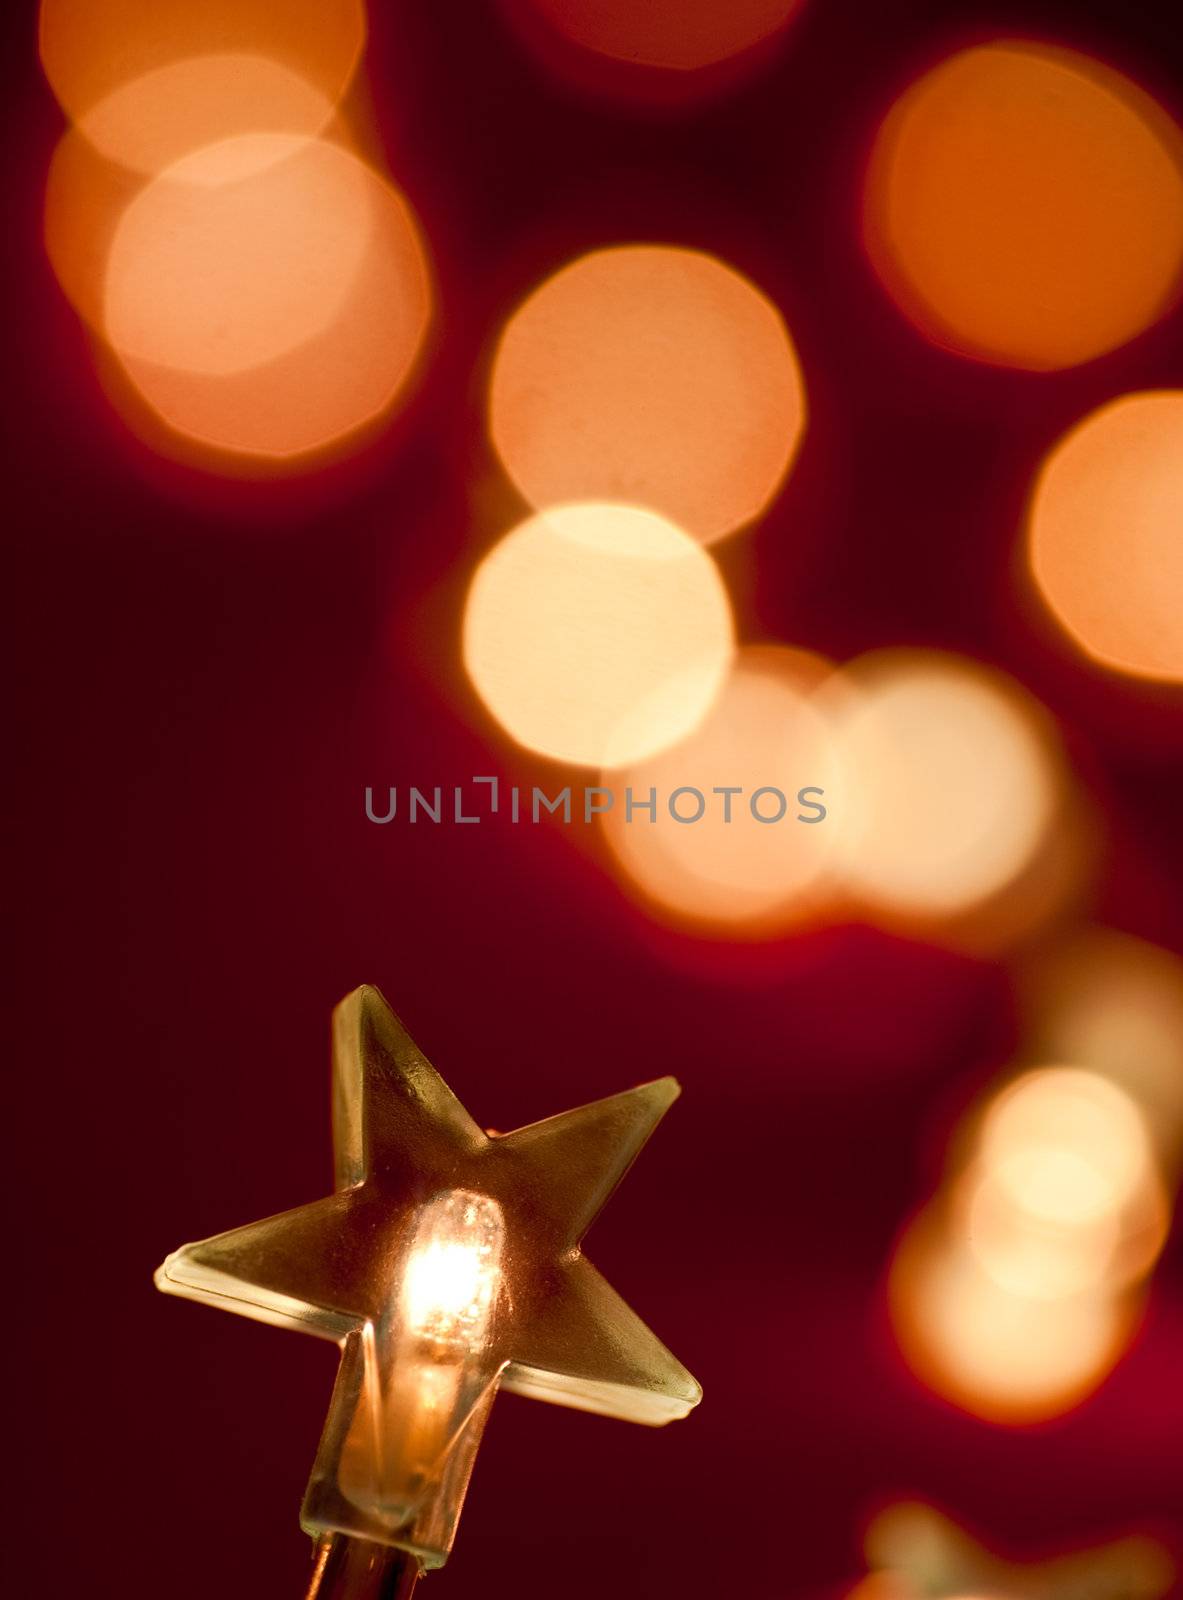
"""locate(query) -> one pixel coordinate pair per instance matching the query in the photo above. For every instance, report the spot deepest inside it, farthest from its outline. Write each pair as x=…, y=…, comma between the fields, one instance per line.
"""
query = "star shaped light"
x=447, y=1264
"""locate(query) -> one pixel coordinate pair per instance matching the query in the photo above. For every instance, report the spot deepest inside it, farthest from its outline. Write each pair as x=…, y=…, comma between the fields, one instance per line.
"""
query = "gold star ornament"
x=446, y=1265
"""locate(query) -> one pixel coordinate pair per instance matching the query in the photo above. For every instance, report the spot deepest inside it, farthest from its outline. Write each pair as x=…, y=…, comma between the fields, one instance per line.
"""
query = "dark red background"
x=208, y=674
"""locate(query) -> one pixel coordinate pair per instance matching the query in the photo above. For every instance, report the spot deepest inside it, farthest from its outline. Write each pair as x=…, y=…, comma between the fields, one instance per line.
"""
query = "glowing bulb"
x=428, y=1372
x=454, y=1272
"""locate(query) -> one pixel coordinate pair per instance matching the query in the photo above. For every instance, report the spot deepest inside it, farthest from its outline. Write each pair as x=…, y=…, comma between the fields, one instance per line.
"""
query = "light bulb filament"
x=453, y=1274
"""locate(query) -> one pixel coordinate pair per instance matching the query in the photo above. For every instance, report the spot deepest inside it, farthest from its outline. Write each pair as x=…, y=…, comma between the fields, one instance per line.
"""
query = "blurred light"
x=679, y=35
x=764, y=731
x=650, y=375
x=917, y=1548
x=1029, y=1254
x=597, y=634
x=85, y=197
x=1011, y=1295
x=237, y=253
x=1114, y=1005
x=1066, y=1145
x=1008, y=1357
x=1105, y=535
x=453, y=1274
x=153, y=120
x=1046, y=1259
x=884, y=1586
x=951, y=782
x=150, y=80
x=267, y=295
x=1024, y=206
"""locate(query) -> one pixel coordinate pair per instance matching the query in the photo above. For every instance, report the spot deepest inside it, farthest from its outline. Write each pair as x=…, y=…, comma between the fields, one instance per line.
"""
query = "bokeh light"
x=153, y=120
x=268, y=294
x=1024, y=205
x=1050, y=1259
x=1114, y=1004
x=952, y=783
x=1009, y=1357
x=913, y=1546
x=1013, y=1293
x=728, y=870
x=1066, y=1145
x=884, y=1586
x=597, y=633
x=1029, y=1254
x=237, y=253
x=677, y=35
x=1066, y=1193
x=85, y=198
x=147, y=81
x=1105, y=534
x=650, y=375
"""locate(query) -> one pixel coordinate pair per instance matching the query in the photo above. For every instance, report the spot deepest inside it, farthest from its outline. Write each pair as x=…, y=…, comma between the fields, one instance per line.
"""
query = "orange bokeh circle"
x=1105, y=534
x=730, y=870
x=668, y=34
x=651, y=375
x=1010, y=1358
x=268, y=295
x=85, y=197
x=597, y=634
x=1024, y=206
x=954, y=785
x=149, y=80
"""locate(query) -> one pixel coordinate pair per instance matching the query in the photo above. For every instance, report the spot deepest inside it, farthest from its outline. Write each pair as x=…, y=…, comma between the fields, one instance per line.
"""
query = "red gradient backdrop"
x=208, y=673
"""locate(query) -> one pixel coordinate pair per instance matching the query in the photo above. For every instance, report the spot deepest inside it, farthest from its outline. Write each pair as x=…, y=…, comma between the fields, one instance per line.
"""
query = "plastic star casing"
x=446, y=1265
